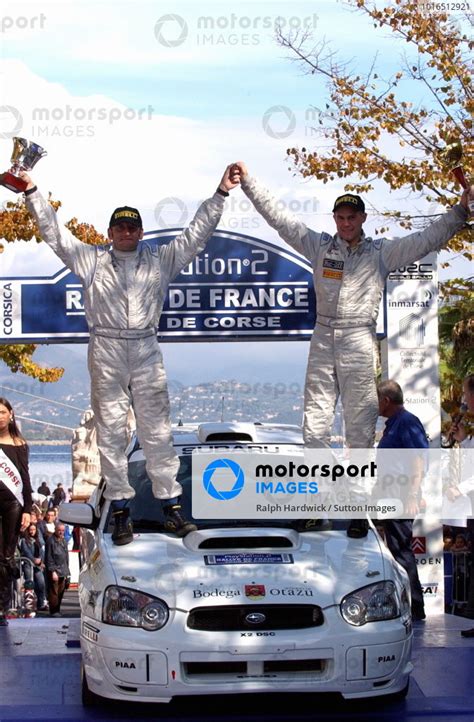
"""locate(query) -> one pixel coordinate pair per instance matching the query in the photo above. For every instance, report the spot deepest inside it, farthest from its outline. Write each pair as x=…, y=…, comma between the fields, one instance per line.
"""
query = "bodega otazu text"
x=323, y=483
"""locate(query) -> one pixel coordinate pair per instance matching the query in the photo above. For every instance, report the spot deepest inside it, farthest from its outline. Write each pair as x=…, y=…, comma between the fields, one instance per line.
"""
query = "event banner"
x=240, y=287
x=410, y=355
x=412, y=339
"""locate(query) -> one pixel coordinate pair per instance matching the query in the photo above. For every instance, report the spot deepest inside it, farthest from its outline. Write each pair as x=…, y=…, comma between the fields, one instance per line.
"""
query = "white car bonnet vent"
x=271, y=541
x=242, y=538
x=226, y=431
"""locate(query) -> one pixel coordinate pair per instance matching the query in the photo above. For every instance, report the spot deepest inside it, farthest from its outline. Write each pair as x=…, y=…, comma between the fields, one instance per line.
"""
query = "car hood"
x=312, y=568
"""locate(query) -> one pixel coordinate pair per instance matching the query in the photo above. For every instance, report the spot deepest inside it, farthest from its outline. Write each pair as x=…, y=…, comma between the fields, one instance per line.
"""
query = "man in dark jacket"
x=59, y=495
x=403, y=430
x=44, y=489
x=57, y=569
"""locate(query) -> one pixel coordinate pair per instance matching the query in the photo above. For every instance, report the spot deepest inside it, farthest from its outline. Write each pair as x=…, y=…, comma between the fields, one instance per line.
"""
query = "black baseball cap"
x=349, y=199
x=126, y=214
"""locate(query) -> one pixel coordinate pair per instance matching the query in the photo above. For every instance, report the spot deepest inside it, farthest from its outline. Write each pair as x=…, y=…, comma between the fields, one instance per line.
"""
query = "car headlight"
x=129, y=608
x=373, y=603
x=405, y=609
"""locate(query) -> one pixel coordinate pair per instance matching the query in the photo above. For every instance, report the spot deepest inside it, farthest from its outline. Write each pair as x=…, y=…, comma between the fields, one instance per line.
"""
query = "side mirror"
x=78, y=514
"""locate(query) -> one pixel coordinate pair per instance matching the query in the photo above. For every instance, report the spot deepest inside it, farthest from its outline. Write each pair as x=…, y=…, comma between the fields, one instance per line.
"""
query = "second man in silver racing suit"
x=125, y=287
x=349, y=271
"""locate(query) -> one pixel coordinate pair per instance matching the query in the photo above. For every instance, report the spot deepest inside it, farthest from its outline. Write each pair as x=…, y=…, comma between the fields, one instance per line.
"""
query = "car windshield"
x=147, y=514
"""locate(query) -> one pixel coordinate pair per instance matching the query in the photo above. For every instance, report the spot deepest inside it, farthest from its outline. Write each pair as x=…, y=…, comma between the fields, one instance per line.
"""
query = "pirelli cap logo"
x=349, y=199
x=127, y=215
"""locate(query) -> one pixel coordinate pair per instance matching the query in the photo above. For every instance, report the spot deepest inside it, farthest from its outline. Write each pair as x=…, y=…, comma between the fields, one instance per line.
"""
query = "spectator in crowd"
x=460, y=544
x=403, y=430
x=32, y=549
x=68, y=535
x=76, y=535
x=44, y=489
x=29, y=604
x=59, y=495
x=35, y=519
x=57, y=569
x=448, y=541
x=46, y=524
x=40, y=502
x=15, y=500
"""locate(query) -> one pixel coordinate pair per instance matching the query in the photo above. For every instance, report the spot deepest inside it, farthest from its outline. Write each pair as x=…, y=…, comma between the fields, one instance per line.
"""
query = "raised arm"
x=405, y=250
x=286, y=224
x=179, y=252
x=79, y=257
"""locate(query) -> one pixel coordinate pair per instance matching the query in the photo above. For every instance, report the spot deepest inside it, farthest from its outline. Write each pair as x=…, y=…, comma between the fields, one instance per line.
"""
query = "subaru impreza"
x=236, y=606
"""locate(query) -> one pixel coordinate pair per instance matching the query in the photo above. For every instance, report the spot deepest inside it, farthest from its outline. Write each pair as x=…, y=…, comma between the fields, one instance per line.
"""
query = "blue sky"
x=227, y=54
x=135, y=106
x=183, y=88
x=220, y=61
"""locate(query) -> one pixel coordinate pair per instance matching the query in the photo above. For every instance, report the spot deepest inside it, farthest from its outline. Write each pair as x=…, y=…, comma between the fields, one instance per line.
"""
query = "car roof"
x=210, y=433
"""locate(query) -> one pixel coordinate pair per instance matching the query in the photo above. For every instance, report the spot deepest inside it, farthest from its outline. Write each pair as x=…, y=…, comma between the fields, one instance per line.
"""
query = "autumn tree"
x=456, y=335
x=16, y=224
x=396, y=131
x=365, y=113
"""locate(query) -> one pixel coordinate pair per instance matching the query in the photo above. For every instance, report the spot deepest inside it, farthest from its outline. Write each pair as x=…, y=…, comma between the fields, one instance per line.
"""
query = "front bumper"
x=123, y=663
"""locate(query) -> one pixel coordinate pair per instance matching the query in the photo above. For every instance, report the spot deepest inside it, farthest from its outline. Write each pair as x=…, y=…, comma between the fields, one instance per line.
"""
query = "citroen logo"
x=255, y=618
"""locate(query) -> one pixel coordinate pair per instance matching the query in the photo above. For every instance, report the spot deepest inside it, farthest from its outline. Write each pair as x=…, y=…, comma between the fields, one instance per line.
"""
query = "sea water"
x=52, y=464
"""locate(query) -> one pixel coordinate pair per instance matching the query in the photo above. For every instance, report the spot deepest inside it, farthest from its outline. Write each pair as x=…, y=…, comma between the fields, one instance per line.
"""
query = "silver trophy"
x=25, y=156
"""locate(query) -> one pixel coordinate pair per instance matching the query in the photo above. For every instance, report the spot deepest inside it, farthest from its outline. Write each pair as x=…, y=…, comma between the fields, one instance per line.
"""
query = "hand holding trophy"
x=25, y=156
x=451, y=157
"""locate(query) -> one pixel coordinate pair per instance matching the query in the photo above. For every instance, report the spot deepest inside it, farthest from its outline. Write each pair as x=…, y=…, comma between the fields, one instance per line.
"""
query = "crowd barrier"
x=21, y=604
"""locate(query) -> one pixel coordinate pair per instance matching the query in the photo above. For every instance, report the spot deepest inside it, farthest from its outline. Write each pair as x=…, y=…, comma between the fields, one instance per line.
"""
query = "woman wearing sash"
x=15, y=500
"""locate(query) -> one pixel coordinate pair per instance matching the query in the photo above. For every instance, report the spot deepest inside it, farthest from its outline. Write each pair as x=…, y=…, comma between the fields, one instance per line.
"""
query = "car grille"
x=267, y=667
x=238, y=617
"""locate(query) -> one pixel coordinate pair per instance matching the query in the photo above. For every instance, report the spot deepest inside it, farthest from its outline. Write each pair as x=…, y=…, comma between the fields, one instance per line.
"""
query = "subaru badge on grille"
x=255, y=618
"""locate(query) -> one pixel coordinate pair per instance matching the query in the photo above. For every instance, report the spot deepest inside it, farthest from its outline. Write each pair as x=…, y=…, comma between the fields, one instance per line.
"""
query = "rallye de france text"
x=334, y=472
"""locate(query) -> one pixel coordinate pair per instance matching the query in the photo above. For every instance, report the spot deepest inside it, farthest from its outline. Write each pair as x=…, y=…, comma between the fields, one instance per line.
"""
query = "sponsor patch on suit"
x=333, y=268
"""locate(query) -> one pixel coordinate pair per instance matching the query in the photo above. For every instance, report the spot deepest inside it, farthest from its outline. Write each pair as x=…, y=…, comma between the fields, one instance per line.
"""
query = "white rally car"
x=235, y=607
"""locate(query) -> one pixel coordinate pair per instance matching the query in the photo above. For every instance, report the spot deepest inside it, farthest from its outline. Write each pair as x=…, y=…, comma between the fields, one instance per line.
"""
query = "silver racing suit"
x=123, y=300
x=348, y=283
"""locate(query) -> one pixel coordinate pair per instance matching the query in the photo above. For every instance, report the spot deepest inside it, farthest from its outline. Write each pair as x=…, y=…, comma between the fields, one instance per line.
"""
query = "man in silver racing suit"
x=349, y=271
x=124, y=290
